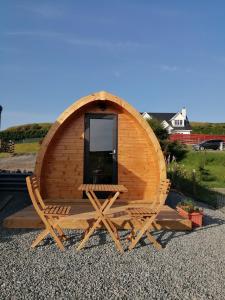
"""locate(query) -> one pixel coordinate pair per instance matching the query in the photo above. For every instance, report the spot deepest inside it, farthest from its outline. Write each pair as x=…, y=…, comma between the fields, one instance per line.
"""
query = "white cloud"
x=41, y=34
x=43, y=10
x=169, y=68
x=87, y=42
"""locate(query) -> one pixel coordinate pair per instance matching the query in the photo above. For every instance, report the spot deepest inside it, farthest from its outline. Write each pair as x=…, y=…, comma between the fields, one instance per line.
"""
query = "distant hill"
x=26, y=131
x=39, y=130
x=208, y=128
x=31, y=126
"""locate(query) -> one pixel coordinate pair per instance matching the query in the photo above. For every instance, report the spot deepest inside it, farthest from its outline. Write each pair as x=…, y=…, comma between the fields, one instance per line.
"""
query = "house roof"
x=162, y=116
x=167, y=117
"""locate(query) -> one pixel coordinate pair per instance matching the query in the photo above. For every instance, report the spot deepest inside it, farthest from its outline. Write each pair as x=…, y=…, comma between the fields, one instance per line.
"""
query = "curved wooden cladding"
x=60, y=161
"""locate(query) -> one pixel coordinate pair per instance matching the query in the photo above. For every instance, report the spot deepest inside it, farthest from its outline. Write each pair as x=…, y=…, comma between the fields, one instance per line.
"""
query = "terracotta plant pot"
x=195, y=217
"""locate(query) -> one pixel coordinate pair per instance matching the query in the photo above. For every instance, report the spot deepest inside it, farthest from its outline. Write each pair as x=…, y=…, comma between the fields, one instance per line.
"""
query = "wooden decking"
x=168, y=218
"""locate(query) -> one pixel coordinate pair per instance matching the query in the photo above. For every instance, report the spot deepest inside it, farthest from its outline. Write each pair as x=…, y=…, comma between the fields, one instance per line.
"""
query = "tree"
x=158, y=129
x=175, y=148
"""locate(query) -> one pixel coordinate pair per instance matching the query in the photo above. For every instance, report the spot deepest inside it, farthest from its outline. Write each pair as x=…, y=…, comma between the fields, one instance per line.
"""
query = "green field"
x=209, y=165
x=25, y=148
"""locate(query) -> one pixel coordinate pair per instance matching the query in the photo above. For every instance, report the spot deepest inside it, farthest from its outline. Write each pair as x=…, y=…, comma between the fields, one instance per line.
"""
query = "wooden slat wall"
x=62, y=170
x=138, y=169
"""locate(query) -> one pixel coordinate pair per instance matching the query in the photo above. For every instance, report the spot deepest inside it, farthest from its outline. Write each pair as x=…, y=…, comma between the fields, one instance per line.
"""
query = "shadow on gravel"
x=103, y=238
x=209, y=222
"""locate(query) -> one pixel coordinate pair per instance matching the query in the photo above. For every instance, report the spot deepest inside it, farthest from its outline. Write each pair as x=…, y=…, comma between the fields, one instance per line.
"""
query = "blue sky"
x=158, y=55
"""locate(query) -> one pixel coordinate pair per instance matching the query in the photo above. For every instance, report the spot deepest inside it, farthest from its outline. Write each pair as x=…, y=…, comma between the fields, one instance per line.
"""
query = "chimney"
x=184, y=112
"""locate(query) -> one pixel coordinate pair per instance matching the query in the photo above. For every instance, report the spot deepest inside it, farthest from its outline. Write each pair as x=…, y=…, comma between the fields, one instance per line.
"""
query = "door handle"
x=113, y=152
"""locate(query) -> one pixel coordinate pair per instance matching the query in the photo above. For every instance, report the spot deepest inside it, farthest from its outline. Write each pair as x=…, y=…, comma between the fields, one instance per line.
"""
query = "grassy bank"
x=208, y=128
x=210, y=167
x=198, y=173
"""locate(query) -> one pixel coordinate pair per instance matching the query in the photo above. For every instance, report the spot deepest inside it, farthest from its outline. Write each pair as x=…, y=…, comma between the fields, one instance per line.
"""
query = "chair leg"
x=152, y=240
x=131, y=235
x=39, y=238
x=141, y=232
x=60, y=232
x=56, y=238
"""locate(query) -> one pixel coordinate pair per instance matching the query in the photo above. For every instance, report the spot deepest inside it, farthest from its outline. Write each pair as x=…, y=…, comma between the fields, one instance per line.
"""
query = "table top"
x=103, y=187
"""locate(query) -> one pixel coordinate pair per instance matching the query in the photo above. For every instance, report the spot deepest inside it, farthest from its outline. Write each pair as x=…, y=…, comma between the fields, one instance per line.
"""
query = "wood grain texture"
x=59, y=165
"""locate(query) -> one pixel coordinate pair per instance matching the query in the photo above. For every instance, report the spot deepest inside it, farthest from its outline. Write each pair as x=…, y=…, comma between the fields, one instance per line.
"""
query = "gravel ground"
x=192, y=266
x=21, y=162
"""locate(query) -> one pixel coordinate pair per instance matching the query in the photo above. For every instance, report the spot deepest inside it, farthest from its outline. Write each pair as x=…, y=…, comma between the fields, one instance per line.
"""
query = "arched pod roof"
x=100, y=96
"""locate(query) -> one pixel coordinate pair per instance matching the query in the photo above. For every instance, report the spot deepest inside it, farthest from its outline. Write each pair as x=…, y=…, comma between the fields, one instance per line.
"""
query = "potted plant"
x=188, y=209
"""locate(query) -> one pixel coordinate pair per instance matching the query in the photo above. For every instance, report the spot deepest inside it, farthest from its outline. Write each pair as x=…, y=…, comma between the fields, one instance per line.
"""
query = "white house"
x=172, y=122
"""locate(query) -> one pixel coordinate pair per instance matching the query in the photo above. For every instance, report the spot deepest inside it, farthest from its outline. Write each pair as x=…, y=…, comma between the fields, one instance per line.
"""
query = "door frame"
x=87, y=117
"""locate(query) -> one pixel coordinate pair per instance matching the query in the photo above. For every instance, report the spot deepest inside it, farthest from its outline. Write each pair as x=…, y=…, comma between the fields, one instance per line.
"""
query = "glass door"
x=100, y=149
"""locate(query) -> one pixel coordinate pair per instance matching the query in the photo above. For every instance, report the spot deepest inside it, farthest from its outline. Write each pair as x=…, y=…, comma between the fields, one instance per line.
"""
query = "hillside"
x=208, y=128
x=26, y=131
x=39, y=130
x=31, y=126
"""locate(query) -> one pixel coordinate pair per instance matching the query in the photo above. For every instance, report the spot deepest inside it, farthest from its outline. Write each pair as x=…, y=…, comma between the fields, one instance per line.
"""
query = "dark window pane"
x=101, y=135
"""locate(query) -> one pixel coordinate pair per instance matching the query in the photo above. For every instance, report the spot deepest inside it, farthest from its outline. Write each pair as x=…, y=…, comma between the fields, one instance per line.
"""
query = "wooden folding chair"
x=145, y=214
x=49, y=214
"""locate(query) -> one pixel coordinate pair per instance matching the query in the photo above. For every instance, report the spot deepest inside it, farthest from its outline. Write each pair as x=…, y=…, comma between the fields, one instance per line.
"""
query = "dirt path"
x=21, y=162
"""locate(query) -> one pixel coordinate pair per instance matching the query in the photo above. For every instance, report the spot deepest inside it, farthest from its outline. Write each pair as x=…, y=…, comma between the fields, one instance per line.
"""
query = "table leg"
x=100, y=216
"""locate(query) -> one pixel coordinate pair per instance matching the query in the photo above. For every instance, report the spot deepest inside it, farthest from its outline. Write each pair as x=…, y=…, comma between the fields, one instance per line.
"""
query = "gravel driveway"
x=21, y=162
x=192, y=266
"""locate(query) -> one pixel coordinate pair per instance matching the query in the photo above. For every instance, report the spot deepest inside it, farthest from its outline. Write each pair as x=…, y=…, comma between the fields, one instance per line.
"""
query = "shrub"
x=188, y=205
x=189, y=183
x=175, y=149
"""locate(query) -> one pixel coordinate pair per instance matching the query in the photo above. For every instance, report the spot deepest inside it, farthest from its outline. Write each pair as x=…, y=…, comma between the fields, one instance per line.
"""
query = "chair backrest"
x=163, y=191
x=32, y=185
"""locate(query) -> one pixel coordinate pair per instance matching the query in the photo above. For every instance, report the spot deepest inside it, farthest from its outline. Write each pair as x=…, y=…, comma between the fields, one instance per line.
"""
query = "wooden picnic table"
x=102, y=210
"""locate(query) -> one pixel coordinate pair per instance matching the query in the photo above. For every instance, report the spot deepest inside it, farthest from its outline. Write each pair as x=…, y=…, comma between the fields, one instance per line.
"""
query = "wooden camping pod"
x=60, y=162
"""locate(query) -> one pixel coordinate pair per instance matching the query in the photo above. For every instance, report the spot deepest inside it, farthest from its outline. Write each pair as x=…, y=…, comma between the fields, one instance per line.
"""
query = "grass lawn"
x=213, y=164
x=4, y=155
x=27, y=148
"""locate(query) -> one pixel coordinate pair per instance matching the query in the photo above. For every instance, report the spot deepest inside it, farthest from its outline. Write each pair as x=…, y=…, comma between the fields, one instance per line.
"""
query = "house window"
x=178, y=122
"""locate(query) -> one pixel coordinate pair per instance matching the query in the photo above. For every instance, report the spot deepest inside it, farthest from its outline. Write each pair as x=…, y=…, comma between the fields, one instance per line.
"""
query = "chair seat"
x=141, y=212
x=57, y=210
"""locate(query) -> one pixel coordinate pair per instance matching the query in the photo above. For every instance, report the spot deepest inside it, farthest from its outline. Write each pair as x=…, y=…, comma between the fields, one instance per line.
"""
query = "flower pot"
x=195, y=217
